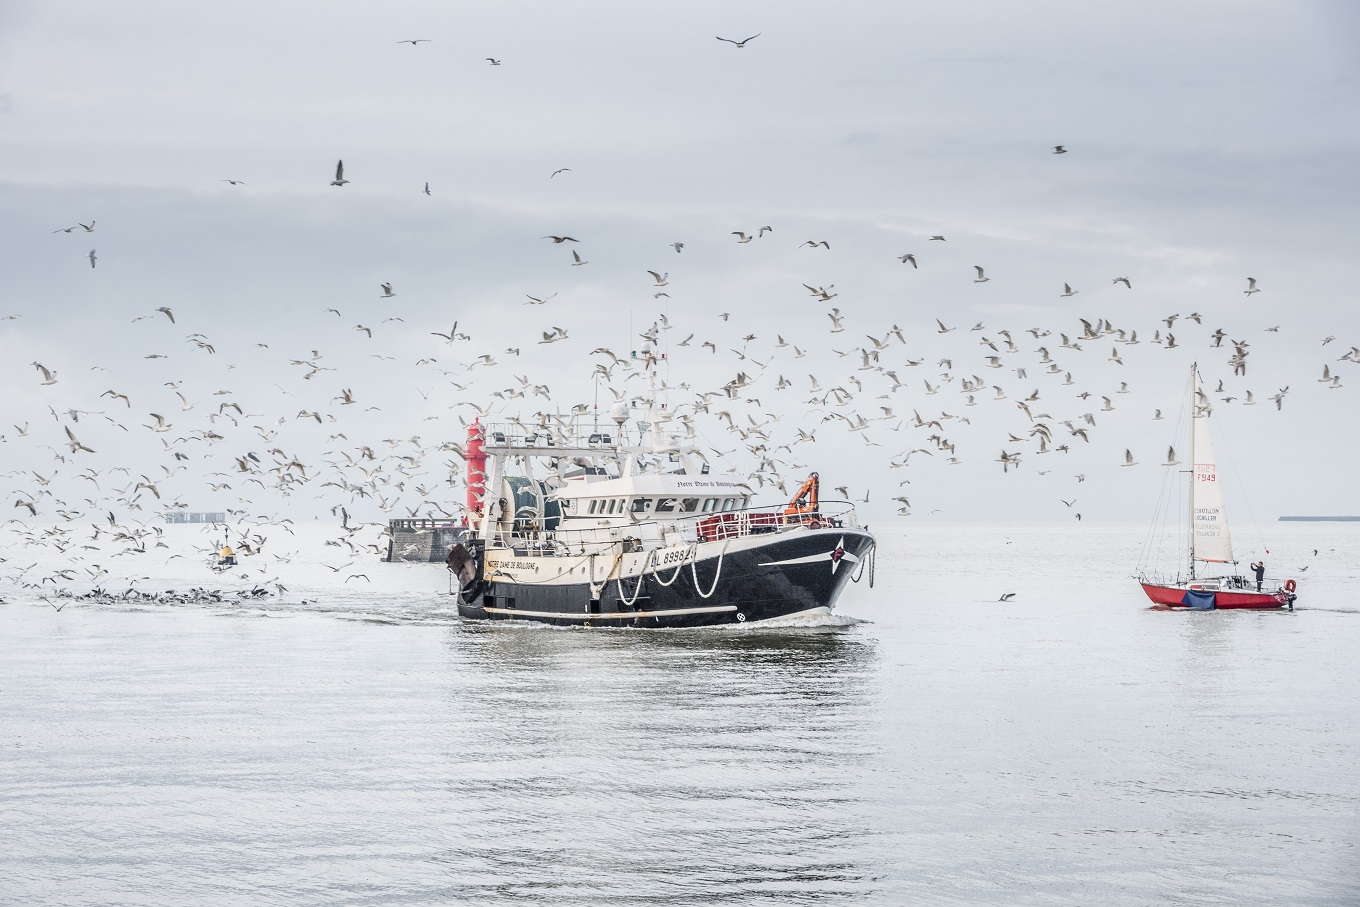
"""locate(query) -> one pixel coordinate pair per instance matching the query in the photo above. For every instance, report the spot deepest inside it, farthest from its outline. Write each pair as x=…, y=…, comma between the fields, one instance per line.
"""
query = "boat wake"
x=814, y=619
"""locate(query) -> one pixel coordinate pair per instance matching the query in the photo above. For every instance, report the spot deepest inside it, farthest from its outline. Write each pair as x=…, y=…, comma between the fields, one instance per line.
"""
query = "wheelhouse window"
x=710, y=505
x=689, y=505
x=642, y=505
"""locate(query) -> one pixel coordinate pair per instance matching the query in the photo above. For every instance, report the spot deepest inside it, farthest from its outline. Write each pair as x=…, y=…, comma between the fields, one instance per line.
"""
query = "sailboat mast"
x=1194, y=422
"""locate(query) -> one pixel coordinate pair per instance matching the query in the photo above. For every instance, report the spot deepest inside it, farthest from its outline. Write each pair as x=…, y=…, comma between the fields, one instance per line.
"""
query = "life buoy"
x=1290, y=585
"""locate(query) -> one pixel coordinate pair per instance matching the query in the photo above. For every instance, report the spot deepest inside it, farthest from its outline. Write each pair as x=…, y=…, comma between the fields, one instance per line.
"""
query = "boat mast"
x=1194, y=422
x=654, y=419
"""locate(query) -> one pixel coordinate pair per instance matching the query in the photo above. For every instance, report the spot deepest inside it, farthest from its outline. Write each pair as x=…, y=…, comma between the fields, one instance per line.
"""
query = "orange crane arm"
x=805, y=500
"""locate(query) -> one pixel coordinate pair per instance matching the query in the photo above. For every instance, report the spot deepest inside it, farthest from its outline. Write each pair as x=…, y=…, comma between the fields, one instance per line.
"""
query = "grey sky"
x=1207, y=142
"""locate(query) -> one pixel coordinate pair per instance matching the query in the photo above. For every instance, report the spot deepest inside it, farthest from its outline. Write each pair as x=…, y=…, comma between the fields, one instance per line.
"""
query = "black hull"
x=752, y=586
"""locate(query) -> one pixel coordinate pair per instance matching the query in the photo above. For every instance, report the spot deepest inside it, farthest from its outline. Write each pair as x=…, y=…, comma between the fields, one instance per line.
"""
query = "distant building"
x=194, y=516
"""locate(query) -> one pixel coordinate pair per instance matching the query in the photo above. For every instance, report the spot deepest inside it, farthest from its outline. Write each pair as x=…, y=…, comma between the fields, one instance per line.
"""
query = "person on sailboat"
x=1259, y=568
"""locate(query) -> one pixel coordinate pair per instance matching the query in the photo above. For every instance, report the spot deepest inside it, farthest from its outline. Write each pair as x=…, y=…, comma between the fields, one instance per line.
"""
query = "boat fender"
x=814, y=523
x=741, y=617
x=1290, y=585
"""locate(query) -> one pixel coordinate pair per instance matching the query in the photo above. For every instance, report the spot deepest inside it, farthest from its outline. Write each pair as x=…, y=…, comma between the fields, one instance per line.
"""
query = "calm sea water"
x=351, y=742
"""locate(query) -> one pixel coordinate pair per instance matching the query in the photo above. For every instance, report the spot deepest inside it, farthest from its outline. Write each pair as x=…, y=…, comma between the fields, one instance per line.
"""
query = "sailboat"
x=1210, y=542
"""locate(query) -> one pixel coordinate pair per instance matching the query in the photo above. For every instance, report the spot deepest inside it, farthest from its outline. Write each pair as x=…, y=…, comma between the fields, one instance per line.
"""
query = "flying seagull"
x=908, y=258
x=1251, y=286
x=492, y=60
x=742, y=42
x=559, y=239
x=414, y=41
x=579, y=261
x=981, y=278
x=387, y=291
x=339, y=174
x=233, y=182
x=427, y=188
x=1124, y=281
x=559, y=170
x=93, y=258
x=1058, y=149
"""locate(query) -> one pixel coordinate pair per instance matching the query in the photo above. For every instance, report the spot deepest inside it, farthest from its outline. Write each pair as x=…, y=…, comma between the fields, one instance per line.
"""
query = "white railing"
x=648, y=534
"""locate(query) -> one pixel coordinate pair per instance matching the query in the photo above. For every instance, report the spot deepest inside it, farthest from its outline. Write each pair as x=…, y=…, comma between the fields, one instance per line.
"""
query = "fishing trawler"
x=1209, y=539
x=586, y=529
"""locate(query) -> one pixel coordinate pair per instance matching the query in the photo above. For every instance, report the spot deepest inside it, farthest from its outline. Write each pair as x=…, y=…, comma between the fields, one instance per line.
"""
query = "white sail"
x=1211, y=541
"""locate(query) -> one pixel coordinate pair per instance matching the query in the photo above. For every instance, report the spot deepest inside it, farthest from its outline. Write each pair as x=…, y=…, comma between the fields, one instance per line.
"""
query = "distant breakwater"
x=1320, y=519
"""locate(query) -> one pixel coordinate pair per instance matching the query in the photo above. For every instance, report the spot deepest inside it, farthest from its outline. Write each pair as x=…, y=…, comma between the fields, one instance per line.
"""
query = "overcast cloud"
x=1208, y=142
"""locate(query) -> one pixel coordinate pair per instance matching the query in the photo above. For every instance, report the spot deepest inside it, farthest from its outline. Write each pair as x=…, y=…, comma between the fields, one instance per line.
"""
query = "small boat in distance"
x=1209, y=539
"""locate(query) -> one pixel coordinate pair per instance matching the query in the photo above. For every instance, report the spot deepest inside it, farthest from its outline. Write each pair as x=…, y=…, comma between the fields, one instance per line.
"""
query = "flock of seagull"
x=903, y=391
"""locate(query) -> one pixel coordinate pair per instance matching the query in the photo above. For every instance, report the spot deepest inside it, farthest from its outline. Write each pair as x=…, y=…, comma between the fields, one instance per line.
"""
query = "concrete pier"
x=423, y=541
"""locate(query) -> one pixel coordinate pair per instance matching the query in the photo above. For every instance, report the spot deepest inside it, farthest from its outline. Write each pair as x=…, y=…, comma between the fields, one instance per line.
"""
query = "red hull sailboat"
x=1210, y=543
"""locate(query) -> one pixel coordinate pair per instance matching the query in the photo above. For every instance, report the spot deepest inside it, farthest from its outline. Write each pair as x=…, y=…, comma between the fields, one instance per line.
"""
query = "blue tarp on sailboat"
x=1203, y=601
